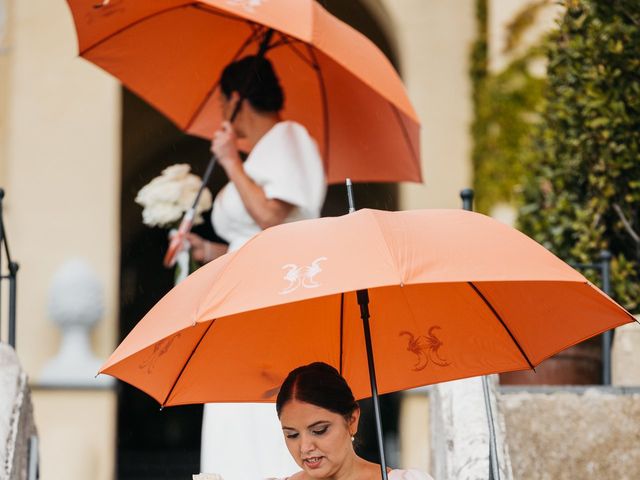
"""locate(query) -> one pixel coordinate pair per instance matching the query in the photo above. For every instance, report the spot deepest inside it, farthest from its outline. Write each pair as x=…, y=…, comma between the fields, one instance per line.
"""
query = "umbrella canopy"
x=453, y=294
x=337, y=83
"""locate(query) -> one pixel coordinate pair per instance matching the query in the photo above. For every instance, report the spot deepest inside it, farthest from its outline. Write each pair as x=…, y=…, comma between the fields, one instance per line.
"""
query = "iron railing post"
x=467, y=199
x=607, y=337
x=13, y=280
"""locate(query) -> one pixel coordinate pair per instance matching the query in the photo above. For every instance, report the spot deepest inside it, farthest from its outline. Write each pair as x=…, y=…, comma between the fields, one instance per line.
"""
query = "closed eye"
x=320, y=431
x=291, y=435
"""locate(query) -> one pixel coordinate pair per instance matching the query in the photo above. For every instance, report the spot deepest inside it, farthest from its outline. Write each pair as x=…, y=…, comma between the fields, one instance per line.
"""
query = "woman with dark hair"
x=282, y=180
x=319, y=418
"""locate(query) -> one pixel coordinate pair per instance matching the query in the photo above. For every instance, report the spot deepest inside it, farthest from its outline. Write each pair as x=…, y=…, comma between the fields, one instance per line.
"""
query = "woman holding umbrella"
x=282, y=180
x=319, y=417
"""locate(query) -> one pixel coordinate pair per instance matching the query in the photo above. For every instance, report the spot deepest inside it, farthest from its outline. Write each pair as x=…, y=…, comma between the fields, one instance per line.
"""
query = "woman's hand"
x=224, y=148
x=204, y=251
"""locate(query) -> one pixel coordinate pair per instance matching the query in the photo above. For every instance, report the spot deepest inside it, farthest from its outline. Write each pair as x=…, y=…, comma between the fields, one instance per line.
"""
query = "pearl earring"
x=352, y=438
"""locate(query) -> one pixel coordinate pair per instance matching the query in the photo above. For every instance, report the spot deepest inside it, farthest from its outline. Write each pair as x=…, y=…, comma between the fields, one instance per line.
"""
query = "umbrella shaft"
x=363, y=301
x=205, y=180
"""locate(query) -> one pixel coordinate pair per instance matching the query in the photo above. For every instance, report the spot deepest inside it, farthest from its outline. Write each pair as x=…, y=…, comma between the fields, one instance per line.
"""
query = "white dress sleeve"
x=288, y=166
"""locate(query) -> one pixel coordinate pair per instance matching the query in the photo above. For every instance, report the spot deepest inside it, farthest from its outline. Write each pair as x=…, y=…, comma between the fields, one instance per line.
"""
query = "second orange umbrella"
x=337, y=83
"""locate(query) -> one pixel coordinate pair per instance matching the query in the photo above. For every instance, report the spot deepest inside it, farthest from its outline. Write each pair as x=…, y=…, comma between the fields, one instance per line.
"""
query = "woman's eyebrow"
x=315, y=424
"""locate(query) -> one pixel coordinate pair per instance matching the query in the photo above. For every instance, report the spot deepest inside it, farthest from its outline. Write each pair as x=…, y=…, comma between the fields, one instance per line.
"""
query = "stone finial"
x=76, y=305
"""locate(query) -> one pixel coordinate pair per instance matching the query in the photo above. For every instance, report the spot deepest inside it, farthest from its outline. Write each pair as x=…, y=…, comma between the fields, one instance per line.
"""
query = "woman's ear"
x=353, y=421
x=235, y=97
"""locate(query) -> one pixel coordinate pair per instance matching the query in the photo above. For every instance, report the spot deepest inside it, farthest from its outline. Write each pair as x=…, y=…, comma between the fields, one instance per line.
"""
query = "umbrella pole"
x=494, y=468
x=363, y=301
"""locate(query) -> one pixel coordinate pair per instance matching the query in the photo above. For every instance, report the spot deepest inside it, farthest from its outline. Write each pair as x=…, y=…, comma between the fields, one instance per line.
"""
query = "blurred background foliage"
x=565, y=148
x=507, y=106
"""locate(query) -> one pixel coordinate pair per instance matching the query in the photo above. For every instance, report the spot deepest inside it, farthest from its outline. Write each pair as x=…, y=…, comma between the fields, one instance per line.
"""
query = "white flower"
x=167, y=197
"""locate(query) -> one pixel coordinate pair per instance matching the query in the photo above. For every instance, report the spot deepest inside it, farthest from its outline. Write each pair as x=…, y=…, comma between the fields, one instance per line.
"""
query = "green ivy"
x=507, y=106
x=582, y=192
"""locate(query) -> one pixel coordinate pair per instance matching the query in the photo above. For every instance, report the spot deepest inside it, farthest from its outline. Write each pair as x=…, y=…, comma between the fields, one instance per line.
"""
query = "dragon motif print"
x=301, y=276
x=425, y=347
x=159, y=349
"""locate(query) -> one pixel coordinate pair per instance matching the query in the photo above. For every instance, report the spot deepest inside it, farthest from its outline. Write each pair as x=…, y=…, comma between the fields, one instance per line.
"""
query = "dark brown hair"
x=254, y=79
x=318, y=384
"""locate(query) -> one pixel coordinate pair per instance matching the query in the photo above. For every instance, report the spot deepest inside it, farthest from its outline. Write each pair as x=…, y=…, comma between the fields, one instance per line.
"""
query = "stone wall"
x=572, y=432
x=16, y=417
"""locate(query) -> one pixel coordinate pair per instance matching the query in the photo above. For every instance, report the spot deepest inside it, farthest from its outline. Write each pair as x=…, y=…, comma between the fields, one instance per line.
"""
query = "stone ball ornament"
x=76, y=305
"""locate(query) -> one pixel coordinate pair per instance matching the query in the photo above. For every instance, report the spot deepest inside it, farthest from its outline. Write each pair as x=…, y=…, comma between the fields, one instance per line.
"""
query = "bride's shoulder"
x=409, y=475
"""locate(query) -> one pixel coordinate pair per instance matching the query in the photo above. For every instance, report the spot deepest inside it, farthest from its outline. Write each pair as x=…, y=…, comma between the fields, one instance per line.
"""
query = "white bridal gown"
x=244, y=441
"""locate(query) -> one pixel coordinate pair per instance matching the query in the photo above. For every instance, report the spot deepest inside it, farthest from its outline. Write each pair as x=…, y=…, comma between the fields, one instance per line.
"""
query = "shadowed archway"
x=155, y=444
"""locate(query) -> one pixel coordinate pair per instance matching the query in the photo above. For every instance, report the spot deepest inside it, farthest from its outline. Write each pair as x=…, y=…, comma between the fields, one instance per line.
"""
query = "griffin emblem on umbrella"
x=248, y=5
x=426, y=349
x=159, y=349
x=301, y=276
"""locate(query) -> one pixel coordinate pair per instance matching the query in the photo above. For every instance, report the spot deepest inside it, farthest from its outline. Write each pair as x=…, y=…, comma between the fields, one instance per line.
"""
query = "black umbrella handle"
x=363, y=301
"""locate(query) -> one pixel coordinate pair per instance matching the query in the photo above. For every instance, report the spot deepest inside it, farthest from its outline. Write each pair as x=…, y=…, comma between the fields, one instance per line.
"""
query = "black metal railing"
x=602, y=266
x=10, y=276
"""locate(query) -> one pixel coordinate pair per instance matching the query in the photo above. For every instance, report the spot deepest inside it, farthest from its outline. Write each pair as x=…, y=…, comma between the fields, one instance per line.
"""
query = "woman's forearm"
x=266, y=212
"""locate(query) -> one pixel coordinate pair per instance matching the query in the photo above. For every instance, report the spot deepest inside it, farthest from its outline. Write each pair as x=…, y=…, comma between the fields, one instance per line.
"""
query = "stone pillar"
x=76, y=410
x=625, y=356
x=17, y=428
x=460, y=431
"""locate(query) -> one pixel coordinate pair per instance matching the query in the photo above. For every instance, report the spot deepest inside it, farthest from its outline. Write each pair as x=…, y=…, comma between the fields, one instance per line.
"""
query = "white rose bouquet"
x=168, y=196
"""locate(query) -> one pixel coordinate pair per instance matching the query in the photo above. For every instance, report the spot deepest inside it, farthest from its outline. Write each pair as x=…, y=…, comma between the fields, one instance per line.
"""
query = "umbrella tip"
x=104, y=3
x=161, y=407
x=352, y=206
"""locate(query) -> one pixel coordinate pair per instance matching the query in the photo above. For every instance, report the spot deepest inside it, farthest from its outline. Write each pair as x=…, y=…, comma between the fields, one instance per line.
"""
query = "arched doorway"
x=154, y=444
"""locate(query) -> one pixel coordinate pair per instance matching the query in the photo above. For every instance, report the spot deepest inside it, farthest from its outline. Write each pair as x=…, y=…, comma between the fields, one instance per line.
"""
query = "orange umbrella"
x=452, y=294
x=337, y=83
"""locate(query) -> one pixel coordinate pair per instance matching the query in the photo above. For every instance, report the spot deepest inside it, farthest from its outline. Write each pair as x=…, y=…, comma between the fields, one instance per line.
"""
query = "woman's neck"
x=354, y=468
x=257, y=125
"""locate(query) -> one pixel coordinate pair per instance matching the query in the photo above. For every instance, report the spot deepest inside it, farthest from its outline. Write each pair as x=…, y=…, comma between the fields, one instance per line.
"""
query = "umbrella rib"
x=154, y=14
x=495, y=313
x=403, y=128
x=325, y=109
x=240, y=51
x=186, y=363
x=289, y=42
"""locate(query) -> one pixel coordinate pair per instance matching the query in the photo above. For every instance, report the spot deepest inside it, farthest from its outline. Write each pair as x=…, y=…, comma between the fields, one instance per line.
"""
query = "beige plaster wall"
x=415, y=433
x=61, y=171
x=60, y=166
x=5, y=42
x=434, y=39
x=77, y=434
